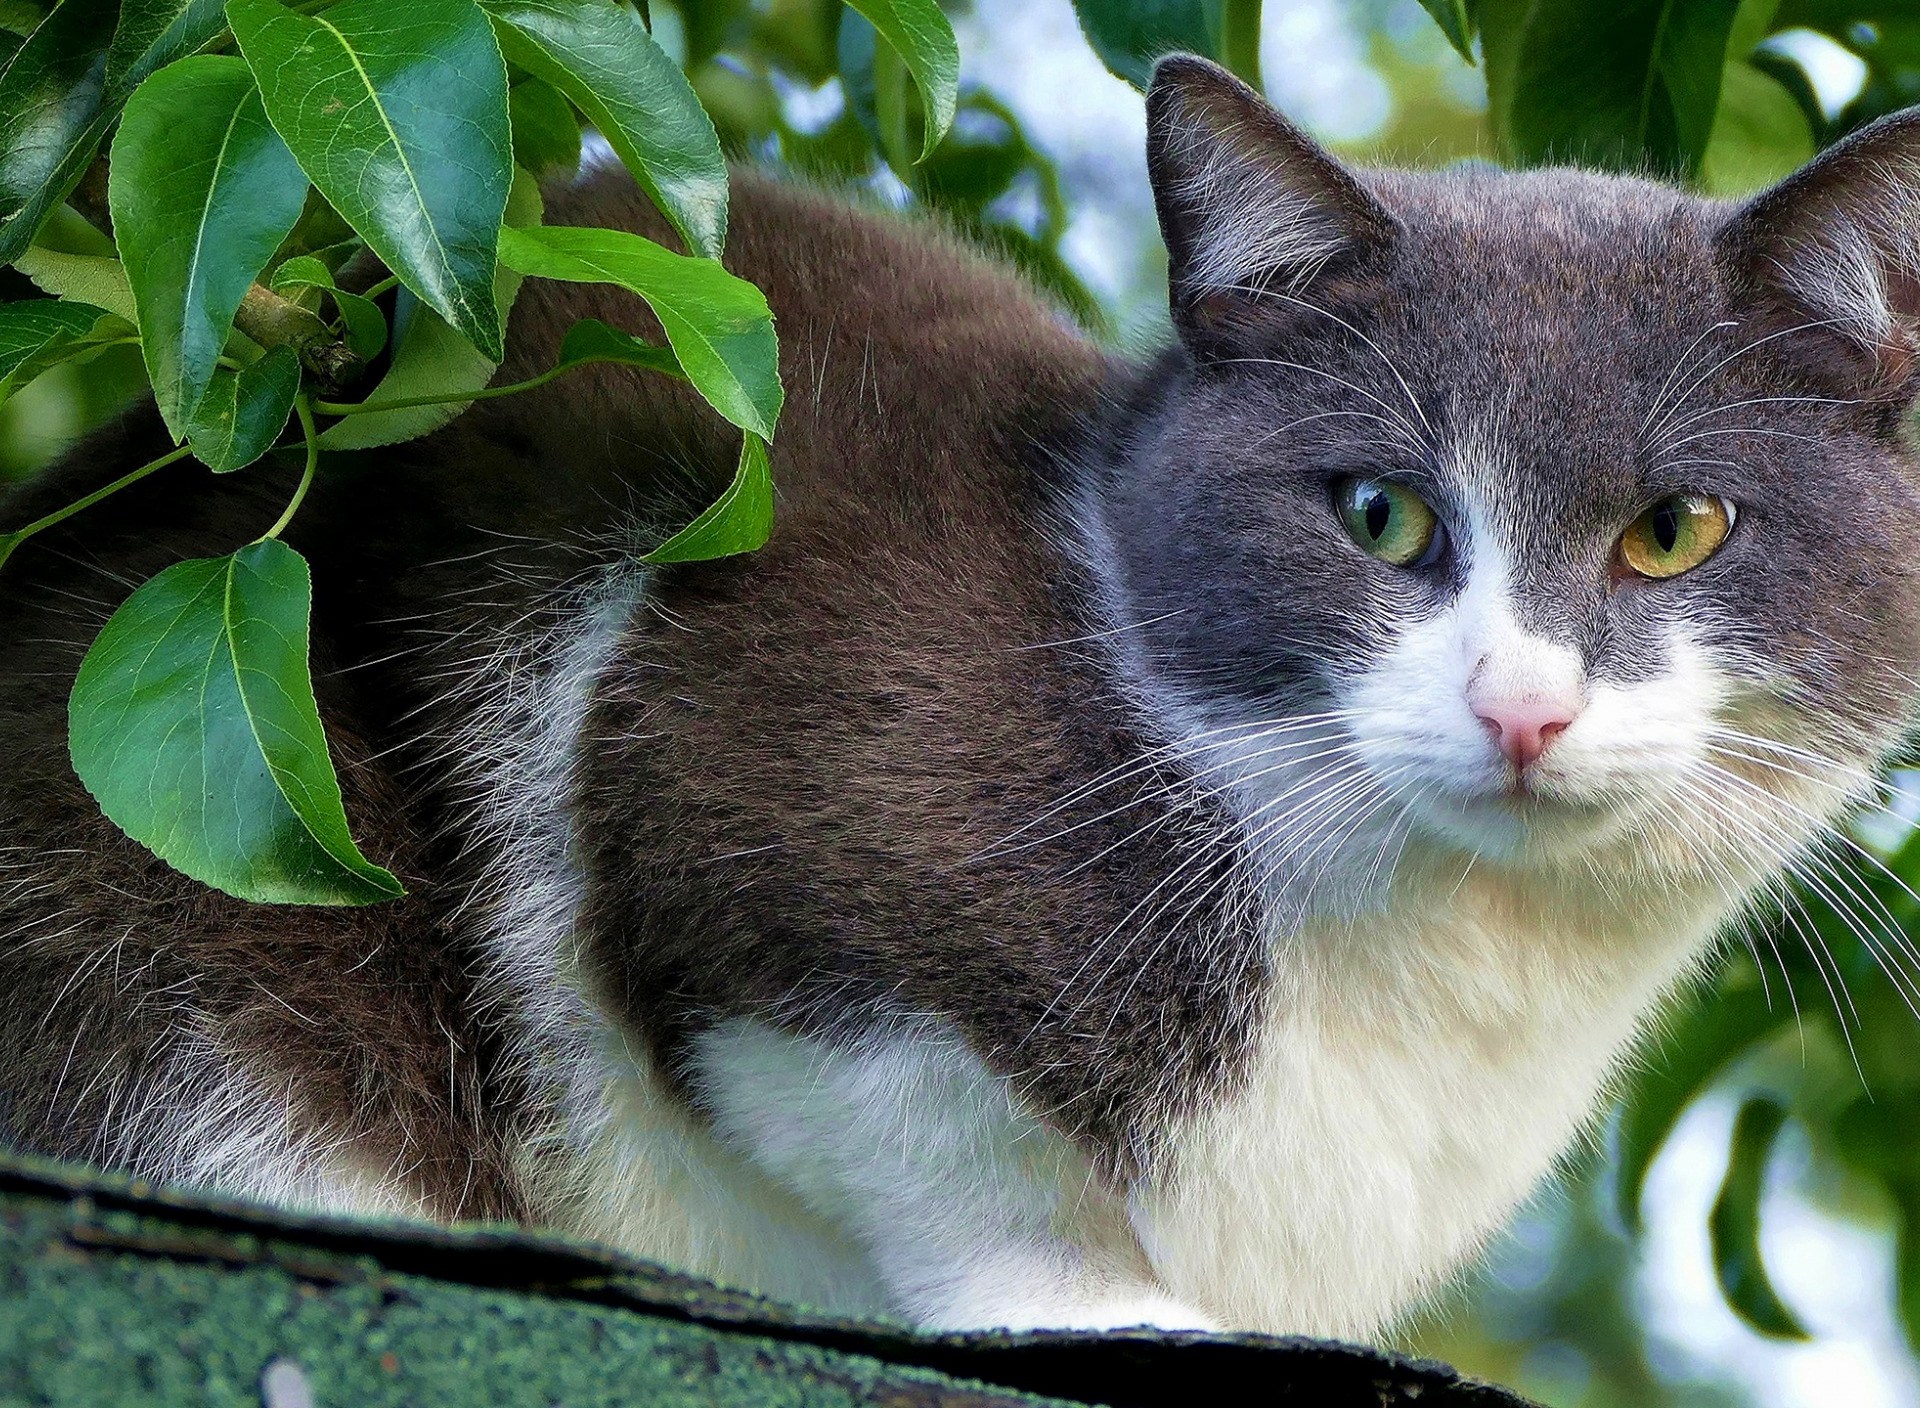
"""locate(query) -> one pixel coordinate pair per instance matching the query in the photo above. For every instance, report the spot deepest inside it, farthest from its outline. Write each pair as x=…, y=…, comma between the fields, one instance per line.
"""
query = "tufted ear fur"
x=1829, y=262
x=1249, y=205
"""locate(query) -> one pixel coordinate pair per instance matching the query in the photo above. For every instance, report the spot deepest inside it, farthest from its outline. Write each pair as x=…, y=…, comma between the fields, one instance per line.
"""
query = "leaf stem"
x=10, y=541
x=368, y=408
x=304, y=409
x=375, y=290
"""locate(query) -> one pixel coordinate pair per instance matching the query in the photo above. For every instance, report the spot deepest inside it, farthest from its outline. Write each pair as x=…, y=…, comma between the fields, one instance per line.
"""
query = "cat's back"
x=158, y=1024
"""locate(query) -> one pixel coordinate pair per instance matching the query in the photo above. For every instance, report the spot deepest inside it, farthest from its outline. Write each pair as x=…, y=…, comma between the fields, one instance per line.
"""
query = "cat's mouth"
x=1519, y=819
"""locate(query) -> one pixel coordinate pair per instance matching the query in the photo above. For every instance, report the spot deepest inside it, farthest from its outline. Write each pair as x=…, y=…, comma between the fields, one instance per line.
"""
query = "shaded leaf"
x=430, y=358
x=1129, y=35
x=1718, y=1027
x=1735, y=1223
x=38, y=333
x=243, y=412
x=601, y=56
x=719, y=325
x=740, y=520
x=1632, y=86
x=919, y=32
x=152, y=32
x=546, y=134
x=397, y=112
x=202, y=191
x=365, y=324
x=591, y=340
x=52, y=116
x=193, y=724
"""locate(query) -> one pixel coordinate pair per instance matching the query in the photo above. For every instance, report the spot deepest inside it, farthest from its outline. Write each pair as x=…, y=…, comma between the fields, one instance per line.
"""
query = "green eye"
x=1676, y=535
x=1387, y=520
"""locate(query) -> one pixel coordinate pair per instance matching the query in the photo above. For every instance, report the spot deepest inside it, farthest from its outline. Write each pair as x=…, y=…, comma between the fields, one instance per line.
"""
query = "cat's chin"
x=1519, y=828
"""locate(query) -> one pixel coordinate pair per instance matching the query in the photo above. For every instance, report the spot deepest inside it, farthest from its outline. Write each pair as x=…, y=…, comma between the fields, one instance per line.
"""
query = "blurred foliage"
x=1814, y=1036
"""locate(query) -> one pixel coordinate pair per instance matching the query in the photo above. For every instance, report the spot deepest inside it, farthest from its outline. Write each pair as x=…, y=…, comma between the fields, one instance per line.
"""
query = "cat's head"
x=1534, y=516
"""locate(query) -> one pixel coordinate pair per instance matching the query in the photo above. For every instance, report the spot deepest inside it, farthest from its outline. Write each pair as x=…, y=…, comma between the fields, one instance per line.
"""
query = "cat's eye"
x=1676, y=535
x=1389, y=521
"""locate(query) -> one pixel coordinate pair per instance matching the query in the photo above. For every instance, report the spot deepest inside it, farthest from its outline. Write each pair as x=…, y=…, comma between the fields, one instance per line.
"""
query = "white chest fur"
x=1416, y=1073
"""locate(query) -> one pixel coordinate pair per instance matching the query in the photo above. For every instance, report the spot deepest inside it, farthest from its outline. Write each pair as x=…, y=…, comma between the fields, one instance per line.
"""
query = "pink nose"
x=1524, y=729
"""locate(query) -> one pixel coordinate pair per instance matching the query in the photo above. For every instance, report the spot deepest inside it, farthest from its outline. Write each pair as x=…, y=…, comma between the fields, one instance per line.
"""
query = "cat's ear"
x=1828, y=262
x=1254, y=212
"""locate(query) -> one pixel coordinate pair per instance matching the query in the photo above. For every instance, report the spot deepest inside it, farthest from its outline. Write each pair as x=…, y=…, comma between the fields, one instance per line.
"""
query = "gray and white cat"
x=1181, y=843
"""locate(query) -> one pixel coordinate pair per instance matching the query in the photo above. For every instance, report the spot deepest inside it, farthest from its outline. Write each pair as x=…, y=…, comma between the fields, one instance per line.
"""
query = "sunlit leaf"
x=82, y=278
x=203, y=191
x=397, y=112
x=719, y=325
x=740, y=520
x=601, y=56
x=193, y=723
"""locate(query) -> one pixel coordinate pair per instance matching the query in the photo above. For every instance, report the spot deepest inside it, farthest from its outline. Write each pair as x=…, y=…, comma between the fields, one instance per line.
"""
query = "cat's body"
x=1061, y=879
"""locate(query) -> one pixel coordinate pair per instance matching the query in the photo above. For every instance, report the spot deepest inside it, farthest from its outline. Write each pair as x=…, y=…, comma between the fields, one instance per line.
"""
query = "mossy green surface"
x=147, y=1317
x=117, y=1295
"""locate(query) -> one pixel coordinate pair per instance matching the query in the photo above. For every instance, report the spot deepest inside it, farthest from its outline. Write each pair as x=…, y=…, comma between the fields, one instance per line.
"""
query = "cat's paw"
x=1141, y=1312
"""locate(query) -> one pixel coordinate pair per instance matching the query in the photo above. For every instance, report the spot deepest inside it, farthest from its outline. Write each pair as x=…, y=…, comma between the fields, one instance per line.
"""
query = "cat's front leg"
x=973, y=1213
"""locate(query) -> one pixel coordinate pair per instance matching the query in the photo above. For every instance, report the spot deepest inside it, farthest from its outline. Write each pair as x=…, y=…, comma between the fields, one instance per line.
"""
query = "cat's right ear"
x=1256, y=216
x=1827, y=263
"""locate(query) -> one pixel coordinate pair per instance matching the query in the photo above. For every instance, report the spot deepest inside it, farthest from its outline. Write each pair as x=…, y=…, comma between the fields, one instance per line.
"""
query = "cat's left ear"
x=1255, y=214
x=1828, y=262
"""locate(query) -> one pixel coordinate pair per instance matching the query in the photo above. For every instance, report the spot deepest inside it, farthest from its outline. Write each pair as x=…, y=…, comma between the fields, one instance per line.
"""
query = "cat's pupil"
x=1379, y=509
x=1665, y=525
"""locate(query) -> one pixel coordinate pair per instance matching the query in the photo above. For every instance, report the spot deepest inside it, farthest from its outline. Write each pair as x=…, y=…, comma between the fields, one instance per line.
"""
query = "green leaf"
x=62, y=90
x=1129, y=35
x=193, y=723
x=546, y=134
x=1455, y=22
x=1714, y=1030
x=397, y=112
x=740, y=520
x=719, y=325
x=52, y=117
x=82, y=278
x=1759, y=136
x=1632, y=86
x=430, y=358
x=1735, y=1223
x=921, y=35
x=301, y=271
x=243, y=412
x=591, y=340
x=601, y=56
x=202, y=191
x=37, y=333
x=153, y=32
x=366, y=325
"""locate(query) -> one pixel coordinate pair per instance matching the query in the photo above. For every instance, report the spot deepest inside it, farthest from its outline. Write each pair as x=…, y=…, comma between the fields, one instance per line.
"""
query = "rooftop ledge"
x=114, y=1292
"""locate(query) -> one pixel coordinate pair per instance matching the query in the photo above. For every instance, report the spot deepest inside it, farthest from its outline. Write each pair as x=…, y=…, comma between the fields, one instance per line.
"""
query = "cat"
x=1181, y=843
